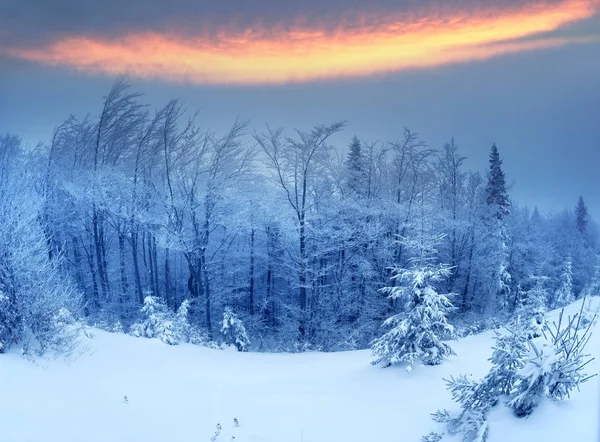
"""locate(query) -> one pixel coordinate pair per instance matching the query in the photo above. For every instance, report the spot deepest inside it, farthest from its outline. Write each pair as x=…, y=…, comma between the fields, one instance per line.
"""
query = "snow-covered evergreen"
x=564, y=294
x=531, y=307
x=233, y=330
x=419, y=332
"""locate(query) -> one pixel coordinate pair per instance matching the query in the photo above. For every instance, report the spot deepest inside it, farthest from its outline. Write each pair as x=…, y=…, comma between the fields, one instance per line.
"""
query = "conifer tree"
x=356, y=167
x=564, y=295
x=582, y=216
x=416, y=333
x=499, y=208
x=496, y=192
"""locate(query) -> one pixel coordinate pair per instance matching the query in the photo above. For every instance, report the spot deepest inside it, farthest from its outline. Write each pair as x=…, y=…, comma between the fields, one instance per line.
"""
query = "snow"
x=180, y=394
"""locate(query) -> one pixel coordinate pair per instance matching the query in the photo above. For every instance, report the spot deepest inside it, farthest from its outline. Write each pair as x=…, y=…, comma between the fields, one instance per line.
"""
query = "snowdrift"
x=180, y=394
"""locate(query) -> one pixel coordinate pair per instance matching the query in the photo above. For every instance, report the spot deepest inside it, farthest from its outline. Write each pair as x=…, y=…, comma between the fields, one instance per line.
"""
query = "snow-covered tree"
x=356, y=165
x=564, y=294
x=531, y=308
x=417, y=333
x=555, y=364
x=497, y=250
x=233, y=330
x=582, y=216
x=478, y=398
x=158, y=322
x=34, y=290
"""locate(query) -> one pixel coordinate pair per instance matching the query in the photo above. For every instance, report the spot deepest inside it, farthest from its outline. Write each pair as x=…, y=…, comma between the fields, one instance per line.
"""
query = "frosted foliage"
x=564, y=295
x=532, y=306
x=555, y=364
x=157, y=323
x=416, y=334
x=185, y=330
x=478, y=398
x=233, y=330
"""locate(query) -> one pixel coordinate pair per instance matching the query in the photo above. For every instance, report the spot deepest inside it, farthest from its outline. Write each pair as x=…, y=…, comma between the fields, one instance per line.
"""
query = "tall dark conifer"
x=582, y=216
x=496, y=192
x=356, y=167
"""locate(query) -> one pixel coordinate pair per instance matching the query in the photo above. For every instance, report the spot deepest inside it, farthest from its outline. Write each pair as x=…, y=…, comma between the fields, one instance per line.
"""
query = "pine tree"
x=416, y=334
x=233, y=330
x=356, y=167
x=158, y=322
x=532, y=306
x=478, y=398
x=582, y=216
x=555, y=365
x=496, y=192
x=499, y=208
x=564, y=295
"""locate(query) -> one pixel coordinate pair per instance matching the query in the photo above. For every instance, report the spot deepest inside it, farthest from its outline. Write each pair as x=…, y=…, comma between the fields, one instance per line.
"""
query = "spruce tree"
x=499, y=208
x=582, y=216
x=416, y=334
x=496, y=192
x=356, y=167
x=564, y=295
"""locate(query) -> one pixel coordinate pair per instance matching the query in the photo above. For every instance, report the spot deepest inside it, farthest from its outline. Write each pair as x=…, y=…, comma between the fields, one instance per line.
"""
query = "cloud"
x=355, y=45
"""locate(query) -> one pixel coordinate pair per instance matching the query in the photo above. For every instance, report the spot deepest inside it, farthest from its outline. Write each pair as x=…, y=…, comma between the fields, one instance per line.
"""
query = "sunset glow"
x=263, y=56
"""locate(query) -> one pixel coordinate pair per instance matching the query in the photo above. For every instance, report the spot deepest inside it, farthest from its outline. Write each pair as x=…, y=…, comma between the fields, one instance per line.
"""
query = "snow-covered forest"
x=142, y=220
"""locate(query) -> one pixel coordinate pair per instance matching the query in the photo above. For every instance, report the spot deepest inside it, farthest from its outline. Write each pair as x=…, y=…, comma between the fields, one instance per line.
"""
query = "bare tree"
x=296, y=163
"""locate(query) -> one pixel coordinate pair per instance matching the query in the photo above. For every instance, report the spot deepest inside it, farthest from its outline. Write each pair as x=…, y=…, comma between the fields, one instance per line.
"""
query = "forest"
x=130, y=210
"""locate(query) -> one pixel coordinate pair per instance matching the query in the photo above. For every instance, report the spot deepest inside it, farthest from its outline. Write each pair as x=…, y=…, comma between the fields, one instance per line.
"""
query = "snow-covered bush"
x=523, y=372
x=185, y=331
x=158, y=322
x=233, y=330
x=531, y=308
x=416, y=333
x=555, y=365
x=478, y=398
x=564, y=294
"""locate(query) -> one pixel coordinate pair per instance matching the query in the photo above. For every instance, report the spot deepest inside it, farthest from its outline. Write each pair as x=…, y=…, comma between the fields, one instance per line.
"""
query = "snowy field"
x=180, y=393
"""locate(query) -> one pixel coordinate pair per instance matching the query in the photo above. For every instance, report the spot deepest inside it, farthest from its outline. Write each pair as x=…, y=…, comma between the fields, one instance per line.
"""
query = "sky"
x=523, y=74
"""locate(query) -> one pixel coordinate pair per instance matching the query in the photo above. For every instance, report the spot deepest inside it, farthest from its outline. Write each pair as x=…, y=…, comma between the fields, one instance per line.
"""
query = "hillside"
x=180, y=393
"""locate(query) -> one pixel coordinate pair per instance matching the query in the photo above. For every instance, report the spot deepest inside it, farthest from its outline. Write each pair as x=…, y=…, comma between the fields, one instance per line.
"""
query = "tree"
x=499, y=208
x=296, y=164
x=35, y=295
x=417, y=333
x=233, y=330
x=355, y=163
x=582, y=217
x=564, y=294
x=531, y=306
x=496, y=192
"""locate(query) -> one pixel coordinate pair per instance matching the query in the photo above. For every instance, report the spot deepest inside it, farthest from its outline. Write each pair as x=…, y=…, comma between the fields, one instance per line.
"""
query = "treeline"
x=294, y=235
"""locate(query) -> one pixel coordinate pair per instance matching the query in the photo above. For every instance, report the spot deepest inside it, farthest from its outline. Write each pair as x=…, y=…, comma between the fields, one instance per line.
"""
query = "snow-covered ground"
x=180, y=393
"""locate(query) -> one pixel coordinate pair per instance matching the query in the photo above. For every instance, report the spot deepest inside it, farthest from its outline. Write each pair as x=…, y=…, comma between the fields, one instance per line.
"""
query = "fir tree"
x=499, y=208
x=531, y=308
x=233, y=330
x=416, y=334
x=564, y=294
x=496, y=192
x=555, y=364
x=478, y=398
x=356, y=167
x=582, y=216
x=158, y=322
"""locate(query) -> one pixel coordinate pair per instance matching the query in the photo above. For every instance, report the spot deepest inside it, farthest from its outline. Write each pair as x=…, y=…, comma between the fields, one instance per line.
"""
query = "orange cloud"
x=258, y=56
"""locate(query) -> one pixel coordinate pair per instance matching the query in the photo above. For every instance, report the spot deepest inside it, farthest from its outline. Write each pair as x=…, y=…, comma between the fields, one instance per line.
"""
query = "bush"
x=233, y=330
x=523, y=372
x=555, y=364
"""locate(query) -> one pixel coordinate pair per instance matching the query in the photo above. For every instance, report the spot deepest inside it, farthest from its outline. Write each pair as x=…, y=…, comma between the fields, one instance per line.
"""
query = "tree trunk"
x=124, y=284
x=251, y=288
x=136, y=267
